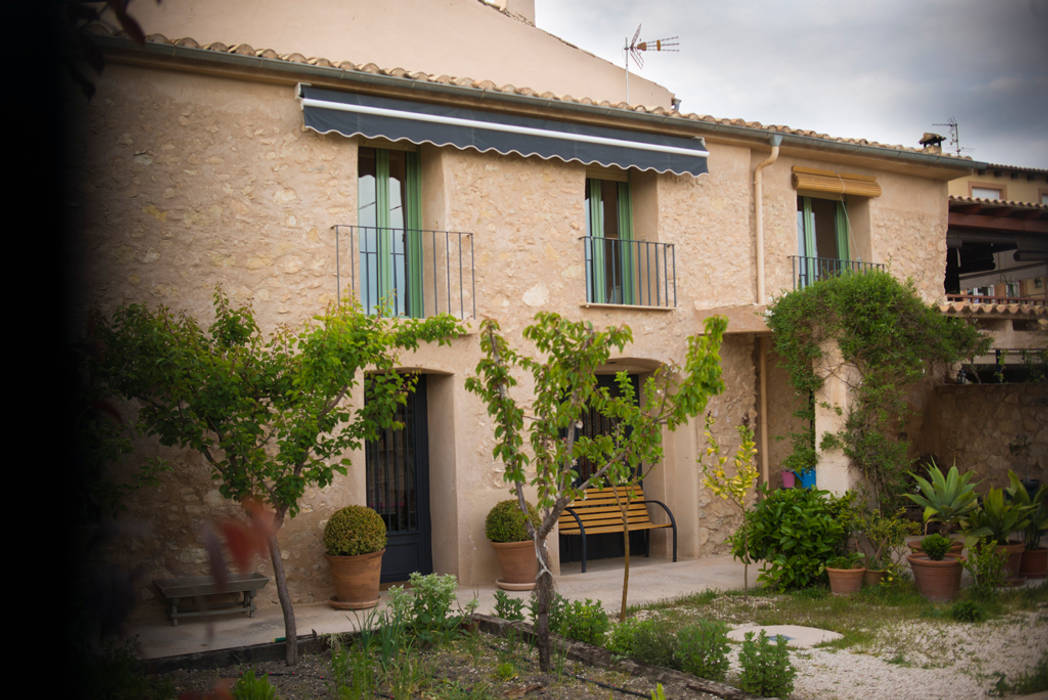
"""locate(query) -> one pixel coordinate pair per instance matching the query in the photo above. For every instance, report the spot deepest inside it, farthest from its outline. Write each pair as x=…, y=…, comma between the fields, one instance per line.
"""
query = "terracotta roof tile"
x=968, y=308
x=521, y=90
x=963, y=199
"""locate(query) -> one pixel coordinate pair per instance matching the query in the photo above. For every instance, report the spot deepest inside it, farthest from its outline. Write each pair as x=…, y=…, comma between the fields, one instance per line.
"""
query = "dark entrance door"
x=606, y=545
x=398, y=488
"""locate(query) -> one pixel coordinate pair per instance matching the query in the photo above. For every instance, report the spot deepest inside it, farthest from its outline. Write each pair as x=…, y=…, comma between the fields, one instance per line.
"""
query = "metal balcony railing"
x=807, y=270
x=406, y=272
x=990, y=299
x=634, y=273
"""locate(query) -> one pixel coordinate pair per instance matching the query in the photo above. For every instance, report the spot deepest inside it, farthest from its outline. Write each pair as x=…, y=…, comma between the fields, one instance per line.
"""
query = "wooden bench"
x=198, y=588
x=597, y=512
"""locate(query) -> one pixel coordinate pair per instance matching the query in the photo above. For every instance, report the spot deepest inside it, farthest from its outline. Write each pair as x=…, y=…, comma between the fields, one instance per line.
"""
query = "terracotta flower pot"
x=938, y=581
x=356, y=580
x=1034, y=563
x=1014, y=561
x=518, y=563
x=845, y=581
x=873, y=577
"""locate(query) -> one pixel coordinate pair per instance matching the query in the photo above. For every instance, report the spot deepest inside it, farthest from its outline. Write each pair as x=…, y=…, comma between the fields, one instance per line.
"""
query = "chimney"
x=932, y=143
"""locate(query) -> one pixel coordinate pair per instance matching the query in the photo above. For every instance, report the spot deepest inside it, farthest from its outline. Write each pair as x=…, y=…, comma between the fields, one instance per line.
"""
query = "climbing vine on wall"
x=890, y=339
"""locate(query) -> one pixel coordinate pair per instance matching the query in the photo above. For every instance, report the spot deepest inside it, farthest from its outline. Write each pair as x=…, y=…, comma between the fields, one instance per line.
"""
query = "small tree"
x=268, y=416
x=736, y=488
x=565, y=386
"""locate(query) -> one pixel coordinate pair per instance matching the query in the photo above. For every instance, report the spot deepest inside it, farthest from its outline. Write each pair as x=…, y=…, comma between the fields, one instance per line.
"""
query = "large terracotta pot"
x=356, y=580
x=1014, y=561
x=845, y=581
x=938, y=581
x=518, y=563
x=1034, y=563
x=873, y=577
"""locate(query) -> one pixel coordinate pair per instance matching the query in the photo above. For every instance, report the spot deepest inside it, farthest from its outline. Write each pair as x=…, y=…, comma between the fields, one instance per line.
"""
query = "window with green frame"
x=389, y=217
x=609, y=243
x=822, y=236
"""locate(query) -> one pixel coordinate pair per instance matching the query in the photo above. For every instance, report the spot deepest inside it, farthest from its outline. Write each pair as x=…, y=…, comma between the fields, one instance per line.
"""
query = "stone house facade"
x=198, y=164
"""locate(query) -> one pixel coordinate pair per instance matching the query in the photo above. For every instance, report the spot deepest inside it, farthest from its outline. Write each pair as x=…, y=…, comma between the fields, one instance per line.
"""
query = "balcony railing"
x=406, y=272
x=634, y=273
x=990, y=299
x=807, y=270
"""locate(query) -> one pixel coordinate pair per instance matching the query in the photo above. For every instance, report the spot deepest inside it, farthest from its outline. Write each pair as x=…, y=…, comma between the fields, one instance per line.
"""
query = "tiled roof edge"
x=509, y=89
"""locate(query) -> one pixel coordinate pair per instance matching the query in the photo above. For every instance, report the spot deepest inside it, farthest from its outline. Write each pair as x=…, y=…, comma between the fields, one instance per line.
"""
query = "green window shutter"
x=809, y=251
x=413, y=237
x=626, y=245
x=595, y=226
x=384, y=243
x=841, y=225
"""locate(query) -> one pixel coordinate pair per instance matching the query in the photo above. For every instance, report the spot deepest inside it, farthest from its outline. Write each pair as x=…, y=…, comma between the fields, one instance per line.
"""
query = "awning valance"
x=354, y=114
x=825, y=183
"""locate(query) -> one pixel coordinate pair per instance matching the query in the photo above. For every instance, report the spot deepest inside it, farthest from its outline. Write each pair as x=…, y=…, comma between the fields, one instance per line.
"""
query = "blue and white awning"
x=394, y=119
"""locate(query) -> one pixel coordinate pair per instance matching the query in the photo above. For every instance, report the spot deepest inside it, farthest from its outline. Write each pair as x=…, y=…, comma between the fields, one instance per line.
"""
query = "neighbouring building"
x=297, y=157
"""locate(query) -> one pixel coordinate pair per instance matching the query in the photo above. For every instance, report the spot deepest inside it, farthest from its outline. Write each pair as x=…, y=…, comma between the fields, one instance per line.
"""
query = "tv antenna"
x=635, y=49
x=955, y=139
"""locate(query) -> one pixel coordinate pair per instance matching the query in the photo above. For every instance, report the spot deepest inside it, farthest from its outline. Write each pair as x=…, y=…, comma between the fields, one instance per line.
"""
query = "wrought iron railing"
x=807, y=270
x=634, y=273
x=406, y=272
x=990, y=299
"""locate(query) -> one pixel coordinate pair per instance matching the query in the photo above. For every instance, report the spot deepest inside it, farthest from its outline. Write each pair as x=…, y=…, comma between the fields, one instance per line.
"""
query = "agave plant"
x=997, y=518
x=1037, y=515
x=947, y=499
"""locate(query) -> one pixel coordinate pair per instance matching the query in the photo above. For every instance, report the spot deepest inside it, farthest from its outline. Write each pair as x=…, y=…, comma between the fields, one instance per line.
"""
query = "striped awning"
x=395, y=119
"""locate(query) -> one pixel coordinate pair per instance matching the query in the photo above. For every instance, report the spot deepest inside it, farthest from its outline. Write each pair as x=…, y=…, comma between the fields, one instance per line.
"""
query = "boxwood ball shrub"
x=354, y=530
x=505, y=522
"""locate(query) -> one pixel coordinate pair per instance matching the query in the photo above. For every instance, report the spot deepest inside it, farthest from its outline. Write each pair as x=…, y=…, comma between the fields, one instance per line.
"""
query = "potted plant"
x=355, y=540
x=505, y=527
x=937, y=574
x=845, y=573
x=1034, y=561
x=996, y=519
x=947, y=499
x=881, y=537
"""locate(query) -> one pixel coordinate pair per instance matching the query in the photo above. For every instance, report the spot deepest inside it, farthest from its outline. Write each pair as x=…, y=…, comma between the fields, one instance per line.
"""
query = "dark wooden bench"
x=597, y=512
x=175, y=590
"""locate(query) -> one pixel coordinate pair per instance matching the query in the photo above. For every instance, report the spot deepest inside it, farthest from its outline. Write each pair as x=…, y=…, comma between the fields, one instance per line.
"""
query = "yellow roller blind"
x=820, y=183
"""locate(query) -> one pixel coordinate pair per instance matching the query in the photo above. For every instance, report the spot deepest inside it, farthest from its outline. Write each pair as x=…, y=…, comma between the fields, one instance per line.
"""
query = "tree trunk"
x=543, y=599
x=290, y=631
x=626, y=557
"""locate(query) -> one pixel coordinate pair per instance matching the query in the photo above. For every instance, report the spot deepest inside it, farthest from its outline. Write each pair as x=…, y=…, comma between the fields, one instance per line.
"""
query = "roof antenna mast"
x=955, y=138
x=634, y=49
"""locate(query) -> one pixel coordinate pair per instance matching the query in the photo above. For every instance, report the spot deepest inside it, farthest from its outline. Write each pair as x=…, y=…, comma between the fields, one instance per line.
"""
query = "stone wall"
x=989, y=428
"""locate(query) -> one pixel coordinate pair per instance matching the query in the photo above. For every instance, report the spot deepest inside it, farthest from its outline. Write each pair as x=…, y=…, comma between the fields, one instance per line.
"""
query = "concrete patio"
x=651, y=580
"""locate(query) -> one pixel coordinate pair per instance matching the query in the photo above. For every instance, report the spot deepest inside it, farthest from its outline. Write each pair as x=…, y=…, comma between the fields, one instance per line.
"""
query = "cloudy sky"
x=885, y=70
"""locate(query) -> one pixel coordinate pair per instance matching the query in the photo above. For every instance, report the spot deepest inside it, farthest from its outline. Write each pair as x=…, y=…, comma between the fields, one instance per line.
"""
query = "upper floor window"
x=389, y=216
x=984, y=192
x=609, y=234
x=822, y=228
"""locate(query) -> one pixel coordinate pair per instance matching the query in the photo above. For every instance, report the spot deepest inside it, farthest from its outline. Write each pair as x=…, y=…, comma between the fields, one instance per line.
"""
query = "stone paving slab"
x=796, y=636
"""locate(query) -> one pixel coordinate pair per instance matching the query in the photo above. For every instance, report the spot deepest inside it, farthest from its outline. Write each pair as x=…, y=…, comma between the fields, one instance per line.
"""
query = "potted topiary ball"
x=505, y=528
x=936, y=572
x=355, y=540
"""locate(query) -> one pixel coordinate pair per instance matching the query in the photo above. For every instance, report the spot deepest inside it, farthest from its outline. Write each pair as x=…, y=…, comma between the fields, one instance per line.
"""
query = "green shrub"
x=852, y=560
x=935, y=546
x=968, y=611
x=985, y=562
x=508, y=608
x=620, y=637
x=794, y=531
x=430, y=617
x=354, y=530
x=652, y=644
x=248, y=687
x=585, y=622
x=702, y=649
x=766, y=667
x=505, y=522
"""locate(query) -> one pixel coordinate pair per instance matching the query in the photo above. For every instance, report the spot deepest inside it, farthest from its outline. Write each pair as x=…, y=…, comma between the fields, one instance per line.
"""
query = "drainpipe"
x=758, y=211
